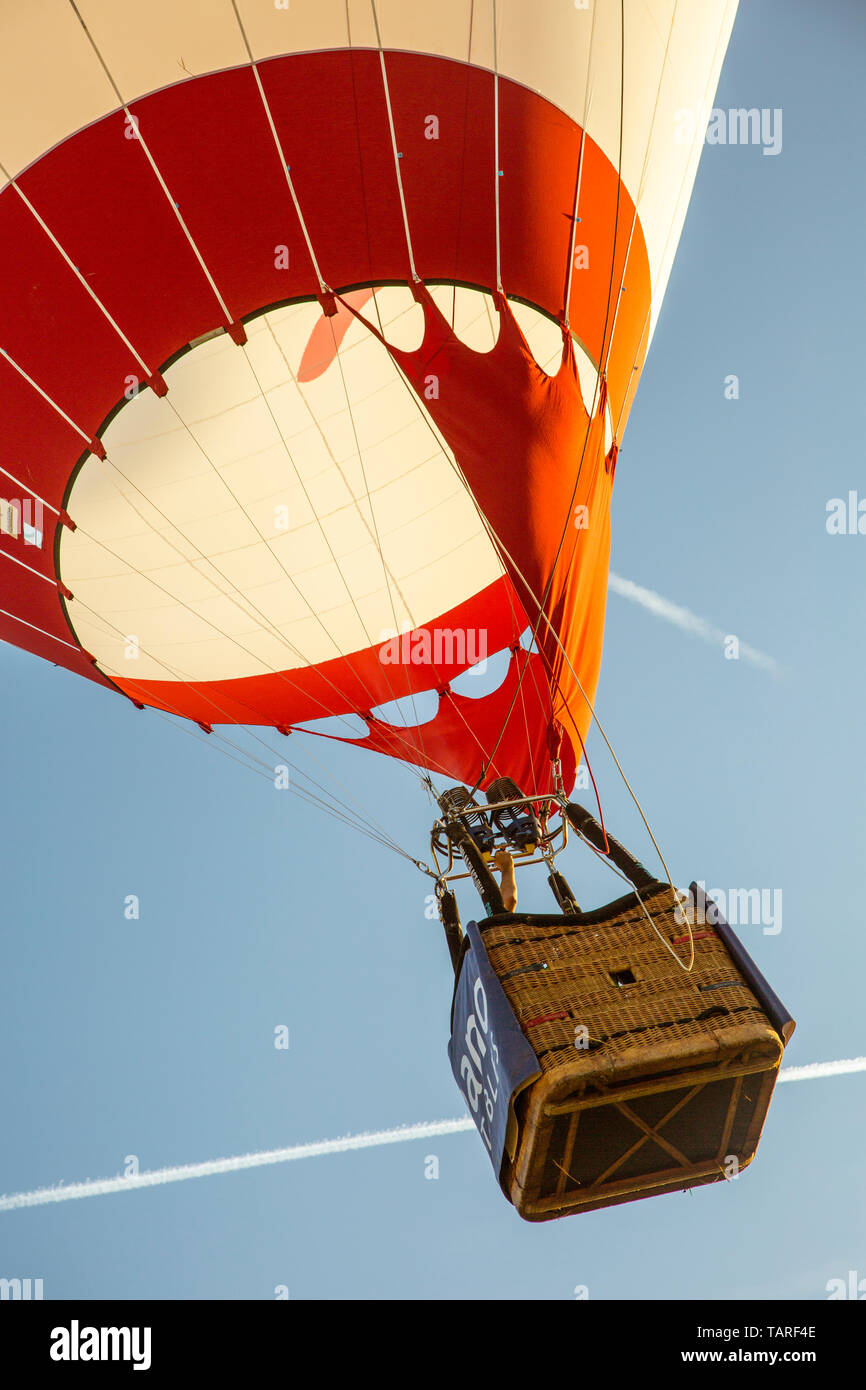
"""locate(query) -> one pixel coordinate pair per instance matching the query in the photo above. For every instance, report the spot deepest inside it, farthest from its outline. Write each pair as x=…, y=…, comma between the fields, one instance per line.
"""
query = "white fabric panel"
x=180, y=541
x=51, y=83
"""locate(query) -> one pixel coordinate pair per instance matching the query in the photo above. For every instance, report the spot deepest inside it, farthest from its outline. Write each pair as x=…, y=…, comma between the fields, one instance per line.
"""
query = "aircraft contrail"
x=103, y=1187
x=687, y=621
x=816, y=1069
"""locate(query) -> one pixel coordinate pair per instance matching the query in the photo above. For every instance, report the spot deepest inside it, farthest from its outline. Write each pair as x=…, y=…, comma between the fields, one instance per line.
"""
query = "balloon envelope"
x=266, y=483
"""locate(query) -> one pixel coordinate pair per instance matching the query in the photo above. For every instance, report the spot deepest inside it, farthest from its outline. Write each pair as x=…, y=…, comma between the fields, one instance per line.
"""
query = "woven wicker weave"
x=653, y=1079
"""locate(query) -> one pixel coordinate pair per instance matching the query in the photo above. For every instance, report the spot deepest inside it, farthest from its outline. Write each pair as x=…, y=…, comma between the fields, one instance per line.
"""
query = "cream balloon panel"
x=230, y=524
x=673, y=50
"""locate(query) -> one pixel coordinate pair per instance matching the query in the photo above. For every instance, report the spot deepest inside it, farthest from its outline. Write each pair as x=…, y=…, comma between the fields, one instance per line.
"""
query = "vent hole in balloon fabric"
x=409, y=710
x=339, y=726
x=472, y=314
x=483, y=678
x=395, y=311
x=543, y=337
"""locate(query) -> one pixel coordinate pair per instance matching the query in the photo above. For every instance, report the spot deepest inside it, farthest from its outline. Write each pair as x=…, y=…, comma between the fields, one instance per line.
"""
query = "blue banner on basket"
x=490, y=1057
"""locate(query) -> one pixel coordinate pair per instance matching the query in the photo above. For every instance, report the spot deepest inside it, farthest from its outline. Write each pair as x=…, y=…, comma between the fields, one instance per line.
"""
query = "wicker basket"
x=652, y=1079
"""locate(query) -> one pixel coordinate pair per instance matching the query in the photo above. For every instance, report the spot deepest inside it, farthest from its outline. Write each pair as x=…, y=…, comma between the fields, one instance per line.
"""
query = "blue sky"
x=154, y=1037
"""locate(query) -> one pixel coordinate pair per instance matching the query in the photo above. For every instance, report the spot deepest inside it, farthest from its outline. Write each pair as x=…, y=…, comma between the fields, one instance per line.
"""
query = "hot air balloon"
x=319, y=332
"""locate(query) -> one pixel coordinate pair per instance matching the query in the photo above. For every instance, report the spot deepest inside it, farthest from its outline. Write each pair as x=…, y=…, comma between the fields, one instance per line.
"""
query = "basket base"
x=586, y=1145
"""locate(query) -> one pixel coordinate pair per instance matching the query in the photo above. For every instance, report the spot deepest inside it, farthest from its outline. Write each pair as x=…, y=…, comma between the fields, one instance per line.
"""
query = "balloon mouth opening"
x=285, y=503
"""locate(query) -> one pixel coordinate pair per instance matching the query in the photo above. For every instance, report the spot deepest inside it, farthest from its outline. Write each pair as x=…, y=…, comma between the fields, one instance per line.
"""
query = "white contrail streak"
x=815, y=1069
x=104, y=1187
x=687, y=621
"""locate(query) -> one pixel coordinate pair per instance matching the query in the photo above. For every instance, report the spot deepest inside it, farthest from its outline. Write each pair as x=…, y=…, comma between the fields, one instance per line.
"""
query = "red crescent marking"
x=328, y=334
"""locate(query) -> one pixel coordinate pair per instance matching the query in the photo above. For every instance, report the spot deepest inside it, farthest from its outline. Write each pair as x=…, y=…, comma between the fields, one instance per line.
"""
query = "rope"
x=385, y=571
x=646, y=912
x=297, y=791
x=460, y=201
x=501, y=550
x=208, y=621
x=74, y=268
x=225, y=593
x=598, y=379
x=575, y=219
x=640, y=193
x=41, y=630
x=336, y=562
x=574, y=222
x=415, y=275
x=600, y=727
x=496, y=169
x=133, y=121
x=45, y=396
x=46, y=578
x=286, y=168
x=670, y=229
x=344, y=812
x=25, y=487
